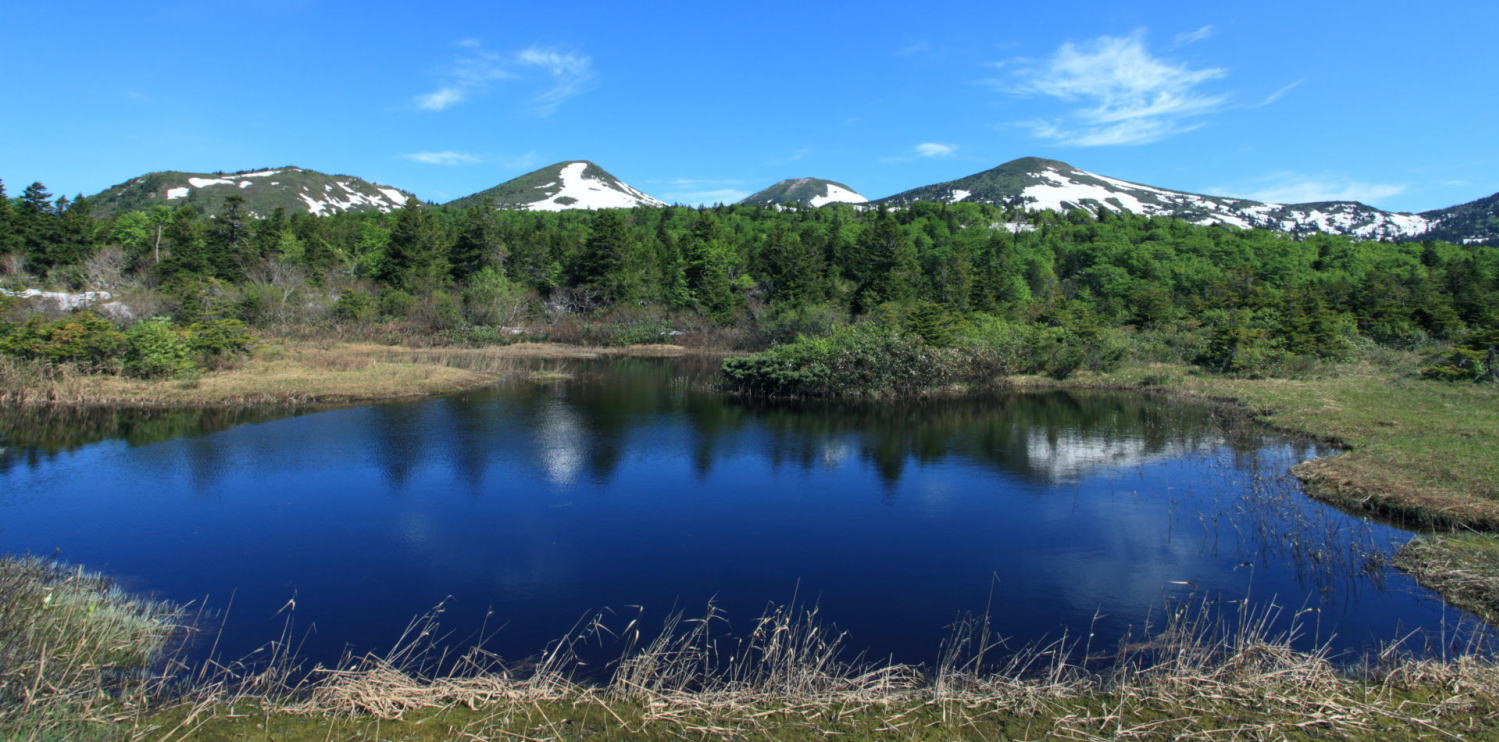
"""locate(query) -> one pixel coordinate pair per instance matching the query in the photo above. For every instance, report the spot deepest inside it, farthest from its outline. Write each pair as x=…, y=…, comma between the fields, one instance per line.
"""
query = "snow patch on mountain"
x=178, y=193
x=1060, y=193
x=205, y=182
x=578, y=191
x=958, y=194
x=837, y=195
x=333, y=202
x=1061, y=190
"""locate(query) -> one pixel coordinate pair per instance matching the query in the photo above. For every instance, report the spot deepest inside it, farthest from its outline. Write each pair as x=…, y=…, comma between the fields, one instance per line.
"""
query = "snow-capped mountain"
x=576, y=184
x=291, y=188
x=1473, y=223
x=807, y=192
x=1035, y=183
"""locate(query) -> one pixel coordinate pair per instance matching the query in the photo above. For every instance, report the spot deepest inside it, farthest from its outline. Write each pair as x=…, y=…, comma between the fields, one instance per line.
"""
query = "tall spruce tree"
x=478, y=244
x=415, y=258
x=10, y=240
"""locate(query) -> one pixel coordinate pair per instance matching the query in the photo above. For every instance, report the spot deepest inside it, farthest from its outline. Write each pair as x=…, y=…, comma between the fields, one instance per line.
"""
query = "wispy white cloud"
x=1192, y=37
x=1122, y=94
x=570, y=75
x=445, y=157
x=439, y=99
x=1289, y=187
x=936, y=149
x=553, y=75
x=1275, y=96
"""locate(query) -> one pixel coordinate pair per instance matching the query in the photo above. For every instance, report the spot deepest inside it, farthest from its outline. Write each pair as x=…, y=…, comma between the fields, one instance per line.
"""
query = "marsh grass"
x=1463, y=567
x=72, y=646
x=1207, y=671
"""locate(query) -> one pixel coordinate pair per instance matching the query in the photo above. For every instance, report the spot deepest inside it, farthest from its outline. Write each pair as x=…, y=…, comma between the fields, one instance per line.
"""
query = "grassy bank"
x=73, y=648
x=292, y=371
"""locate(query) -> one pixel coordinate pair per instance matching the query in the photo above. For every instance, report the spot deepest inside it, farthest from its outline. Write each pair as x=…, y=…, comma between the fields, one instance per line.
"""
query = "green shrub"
x=155, y=349
x=864, y=360
x=1237, y=347
x=396, y=304
x=933, y=323
x=783, y=323
x=216, y=343
x=1474, y=358
x=354, y=305
x=439, y=311
x=492, y=299
x=638, y=332
x=83, y=338
x=997, y=347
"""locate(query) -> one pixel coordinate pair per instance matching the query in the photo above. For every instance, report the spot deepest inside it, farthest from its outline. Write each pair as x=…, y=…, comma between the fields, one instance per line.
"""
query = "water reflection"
x=634, y=483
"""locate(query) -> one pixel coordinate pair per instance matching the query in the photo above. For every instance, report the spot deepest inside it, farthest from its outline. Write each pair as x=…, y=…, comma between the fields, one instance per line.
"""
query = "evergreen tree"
x=478, y=244
x=10, y=239
x=414, y=258
x=77, y=234
x=792, y=270
x=230, y=237
x=184, y=245
x=36, y=225
x=893, y=270
x=605, y=265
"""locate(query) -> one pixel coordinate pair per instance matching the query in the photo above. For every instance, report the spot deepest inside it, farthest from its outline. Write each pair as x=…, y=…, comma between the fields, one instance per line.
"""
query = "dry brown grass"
x=290, y=373
x=789, y=678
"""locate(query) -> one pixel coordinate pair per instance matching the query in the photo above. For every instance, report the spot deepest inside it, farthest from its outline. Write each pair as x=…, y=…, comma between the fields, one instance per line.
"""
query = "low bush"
x=783, y=323
x=354, y=305
x=154, y=349
x=998, y=347
x=1474, y=358
x=217, y=343
x=83, y=338
x=862, y=360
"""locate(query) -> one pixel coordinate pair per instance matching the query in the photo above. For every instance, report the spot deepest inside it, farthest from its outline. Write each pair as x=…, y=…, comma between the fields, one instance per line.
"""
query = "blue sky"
x=1391, y=103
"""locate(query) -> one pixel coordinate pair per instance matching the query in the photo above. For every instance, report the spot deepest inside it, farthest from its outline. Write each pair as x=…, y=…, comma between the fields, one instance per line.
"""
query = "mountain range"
x=1029, y=182
x=291, y=188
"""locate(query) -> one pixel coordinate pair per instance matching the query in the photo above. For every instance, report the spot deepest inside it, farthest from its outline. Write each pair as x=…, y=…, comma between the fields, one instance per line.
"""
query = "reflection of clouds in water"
x=560, y=438
x=835, y=451
x=1068, y=456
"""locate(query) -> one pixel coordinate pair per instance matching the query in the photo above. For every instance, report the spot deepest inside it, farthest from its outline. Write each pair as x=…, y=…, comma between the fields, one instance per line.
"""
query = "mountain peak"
x=566, y=185
x=288, y=187
x=812, y=192
x=1042, y=184
x=1033, y=164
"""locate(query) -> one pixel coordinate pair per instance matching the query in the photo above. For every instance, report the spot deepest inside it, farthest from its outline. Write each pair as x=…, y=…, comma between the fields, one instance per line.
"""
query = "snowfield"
x=590, y=193
x=1079, y=189
x=836, y=195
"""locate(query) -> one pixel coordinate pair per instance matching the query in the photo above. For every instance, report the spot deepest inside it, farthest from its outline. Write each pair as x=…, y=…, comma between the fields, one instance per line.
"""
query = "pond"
x=632, y=486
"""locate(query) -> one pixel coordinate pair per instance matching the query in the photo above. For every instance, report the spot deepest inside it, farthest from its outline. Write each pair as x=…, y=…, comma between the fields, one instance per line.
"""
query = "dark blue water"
x=529, y=505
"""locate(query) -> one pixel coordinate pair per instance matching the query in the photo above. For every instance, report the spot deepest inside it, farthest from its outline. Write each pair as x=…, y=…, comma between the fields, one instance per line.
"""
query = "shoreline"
x=293, y=372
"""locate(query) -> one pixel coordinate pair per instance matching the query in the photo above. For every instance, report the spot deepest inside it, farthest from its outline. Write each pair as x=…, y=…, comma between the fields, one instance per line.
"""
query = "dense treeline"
x=1249, y=294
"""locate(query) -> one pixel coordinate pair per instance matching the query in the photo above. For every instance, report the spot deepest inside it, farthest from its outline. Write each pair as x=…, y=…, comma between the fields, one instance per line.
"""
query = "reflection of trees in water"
x=31, y=435
x=587, y=424
x=1045, y=437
